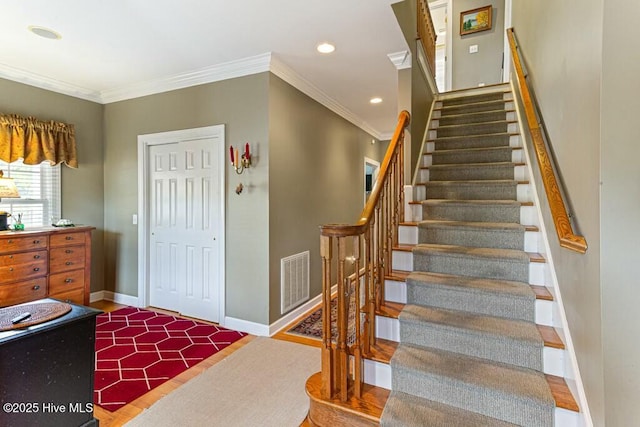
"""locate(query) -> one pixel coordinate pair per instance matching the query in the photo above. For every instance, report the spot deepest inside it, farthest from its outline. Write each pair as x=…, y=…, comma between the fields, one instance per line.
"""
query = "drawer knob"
x=36, y=287
x=35, y=242
x=10, y=268
x=68, y=251
x=69, y=238
x=10, y=256
x=68, y=263
x=36, y=257
x=36, y=269
x=68, y=280
x=10, y=241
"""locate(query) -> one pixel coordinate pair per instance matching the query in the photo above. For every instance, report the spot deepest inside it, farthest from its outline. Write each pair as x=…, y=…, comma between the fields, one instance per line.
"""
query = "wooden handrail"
x=566, y=235
x=363, y=258
x=427, y=34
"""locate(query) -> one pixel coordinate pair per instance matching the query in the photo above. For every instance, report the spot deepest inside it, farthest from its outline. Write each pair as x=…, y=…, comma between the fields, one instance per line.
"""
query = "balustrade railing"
x=427, y=34
x=355, y=259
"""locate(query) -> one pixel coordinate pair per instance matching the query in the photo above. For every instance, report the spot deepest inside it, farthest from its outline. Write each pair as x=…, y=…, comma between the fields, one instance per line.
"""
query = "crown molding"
x=243, y=67
x=305, y=86
x=42, y=82
x=401, y=60
x=227, y=70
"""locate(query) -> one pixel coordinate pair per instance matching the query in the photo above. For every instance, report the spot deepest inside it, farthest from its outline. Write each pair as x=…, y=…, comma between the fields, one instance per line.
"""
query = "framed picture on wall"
x=475, y=20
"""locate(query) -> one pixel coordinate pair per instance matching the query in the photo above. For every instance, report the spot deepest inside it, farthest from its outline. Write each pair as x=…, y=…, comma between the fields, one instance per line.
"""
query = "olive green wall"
x=82, y=188
x=620, y=210
x=241, y=104
x=485, y=66
x=316, y=176
x=586, y=83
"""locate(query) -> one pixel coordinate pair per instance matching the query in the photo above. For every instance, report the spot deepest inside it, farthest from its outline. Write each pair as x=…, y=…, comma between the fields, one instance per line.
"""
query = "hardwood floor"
x=130, y=411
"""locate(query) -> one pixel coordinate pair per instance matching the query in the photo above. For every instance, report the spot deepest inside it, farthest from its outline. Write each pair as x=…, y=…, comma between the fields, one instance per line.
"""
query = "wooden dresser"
x=45, y=262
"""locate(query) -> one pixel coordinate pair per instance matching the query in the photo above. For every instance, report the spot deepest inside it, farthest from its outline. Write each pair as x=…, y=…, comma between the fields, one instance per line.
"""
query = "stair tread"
x=491, y=122
x=482, y=324
x=526, y=383
x=551, y=337
x=474, y=182
x=474, y=149
x=542, y=292
x=502, y=226
x=449, y=138
x=470, y=202
x=382, y=351
x=469, y=284
x=472, y=165
x=474, y=252
x=404, y=409
x=398, y=275
x=390, y=309
x=561, y=393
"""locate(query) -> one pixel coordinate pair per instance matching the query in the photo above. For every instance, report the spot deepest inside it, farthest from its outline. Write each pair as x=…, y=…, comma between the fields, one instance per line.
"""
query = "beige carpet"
x=261, y=384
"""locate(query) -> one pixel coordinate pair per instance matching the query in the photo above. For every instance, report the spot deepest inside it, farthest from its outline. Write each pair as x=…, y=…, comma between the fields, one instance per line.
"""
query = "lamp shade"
x=8, y=188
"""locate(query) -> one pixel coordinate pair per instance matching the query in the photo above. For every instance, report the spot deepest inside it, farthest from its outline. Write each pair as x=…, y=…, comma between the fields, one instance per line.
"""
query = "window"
x=39, y=188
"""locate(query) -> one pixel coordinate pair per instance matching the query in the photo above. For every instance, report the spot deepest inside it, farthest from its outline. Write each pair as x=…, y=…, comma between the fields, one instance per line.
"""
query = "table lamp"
x=8, y=190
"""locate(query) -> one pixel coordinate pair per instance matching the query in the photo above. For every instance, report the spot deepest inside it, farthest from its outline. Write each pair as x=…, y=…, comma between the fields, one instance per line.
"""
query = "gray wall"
x=620, y=212
x=82, y=188
x=580, y=100
x=316, y=164
x=242, y=105
x=485, y=66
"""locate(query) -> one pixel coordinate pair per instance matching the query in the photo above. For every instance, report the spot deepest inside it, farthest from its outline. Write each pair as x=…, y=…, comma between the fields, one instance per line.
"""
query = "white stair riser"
x=388, y=328
x=523, y=193
x=531, y=240
x=408, y=235
x=544, y=313
x=553, y=361
x=395, y=291
x=377, y=374
x=416, y=212
x=402, y=260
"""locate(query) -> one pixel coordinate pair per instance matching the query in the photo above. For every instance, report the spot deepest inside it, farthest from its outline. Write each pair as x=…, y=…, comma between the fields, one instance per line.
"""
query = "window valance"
x=36, y=141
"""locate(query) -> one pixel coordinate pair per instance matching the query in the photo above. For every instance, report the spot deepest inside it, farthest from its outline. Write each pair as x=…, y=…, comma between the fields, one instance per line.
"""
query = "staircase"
x=475, y=345
x=469, y=334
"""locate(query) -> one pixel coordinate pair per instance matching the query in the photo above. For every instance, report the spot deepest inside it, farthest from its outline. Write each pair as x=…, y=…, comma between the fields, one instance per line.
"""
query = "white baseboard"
x=241, y=325
x=115, y=297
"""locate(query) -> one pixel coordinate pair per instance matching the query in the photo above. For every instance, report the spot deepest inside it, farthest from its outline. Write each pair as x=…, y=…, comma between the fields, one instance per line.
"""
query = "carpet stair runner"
x=470, y=353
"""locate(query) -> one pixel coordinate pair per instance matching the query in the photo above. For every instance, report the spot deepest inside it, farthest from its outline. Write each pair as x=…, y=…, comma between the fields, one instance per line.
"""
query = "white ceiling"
x=114, y=50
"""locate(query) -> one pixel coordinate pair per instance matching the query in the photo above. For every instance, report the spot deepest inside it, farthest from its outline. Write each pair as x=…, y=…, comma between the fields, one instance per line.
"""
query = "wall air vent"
x=294, y=281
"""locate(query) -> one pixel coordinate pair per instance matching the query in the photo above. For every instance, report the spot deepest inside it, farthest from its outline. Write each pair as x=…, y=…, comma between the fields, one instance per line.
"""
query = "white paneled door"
x=184, y=227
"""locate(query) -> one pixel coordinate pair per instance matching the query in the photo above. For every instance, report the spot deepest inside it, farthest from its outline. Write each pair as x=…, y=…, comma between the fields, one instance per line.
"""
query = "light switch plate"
x=473, y=48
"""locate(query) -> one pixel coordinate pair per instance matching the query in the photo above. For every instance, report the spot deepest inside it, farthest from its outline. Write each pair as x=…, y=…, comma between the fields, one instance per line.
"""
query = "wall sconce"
x=240, y=161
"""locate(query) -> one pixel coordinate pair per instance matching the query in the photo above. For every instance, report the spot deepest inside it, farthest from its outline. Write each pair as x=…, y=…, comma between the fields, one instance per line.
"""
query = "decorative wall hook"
x=240, y=162
x=239, y=188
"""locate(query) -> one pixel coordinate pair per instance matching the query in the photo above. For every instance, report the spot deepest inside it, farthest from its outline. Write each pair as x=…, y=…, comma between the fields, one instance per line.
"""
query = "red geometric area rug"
x=137, y=350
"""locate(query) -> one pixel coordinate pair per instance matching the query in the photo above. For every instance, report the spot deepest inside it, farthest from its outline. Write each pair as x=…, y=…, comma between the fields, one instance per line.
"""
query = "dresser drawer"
x=25, y=243
x=63, y=282
x=18, y=267
x=17, y=293
x=66, y=239
x=66, y=258
x=75, y=296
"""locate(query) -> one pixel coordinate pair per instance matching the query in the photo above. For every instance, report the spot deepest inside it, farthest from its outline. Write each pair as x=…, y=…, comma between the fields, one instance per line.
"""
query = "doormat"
x=137, y=350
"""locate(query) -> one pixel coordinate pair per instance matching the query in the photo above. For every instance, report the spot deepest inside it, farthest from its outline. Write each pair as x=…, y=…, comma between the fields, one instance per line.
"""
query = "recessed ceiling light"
x=325, y=48
x=375, y=100
x=44, y=32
